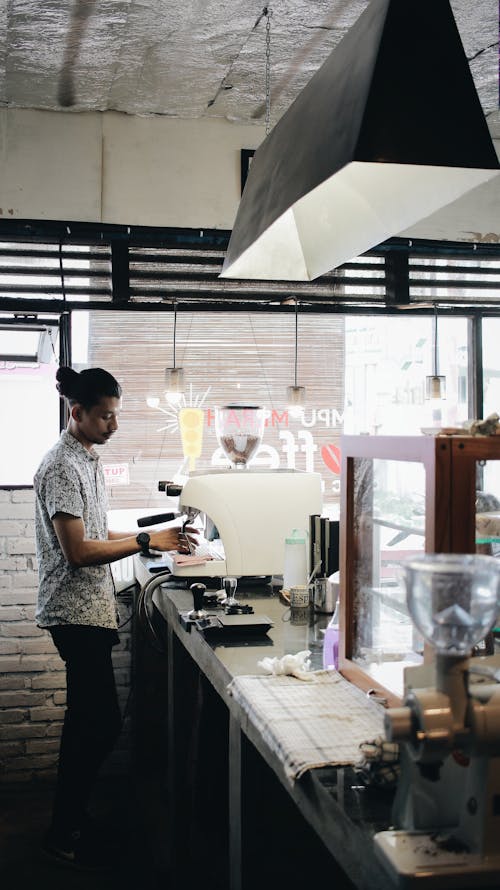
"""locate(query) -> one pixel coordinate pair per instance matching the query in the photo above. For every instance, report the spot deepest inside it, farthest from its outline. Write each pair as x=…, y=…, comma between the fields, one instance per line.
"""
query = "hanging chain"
x=268, y=14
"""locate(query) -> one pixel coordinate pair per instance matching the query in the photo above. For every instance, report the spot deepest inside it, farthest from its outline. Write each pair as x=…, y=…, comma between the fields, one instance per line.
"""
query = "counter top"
x=343, y=813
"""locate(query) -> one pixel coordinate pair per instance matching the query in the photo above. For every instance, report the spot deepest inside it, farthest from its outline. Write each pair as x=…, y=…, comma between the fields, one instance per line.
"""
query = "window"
x=30, y=419
x=227, y=357
x=387, y=360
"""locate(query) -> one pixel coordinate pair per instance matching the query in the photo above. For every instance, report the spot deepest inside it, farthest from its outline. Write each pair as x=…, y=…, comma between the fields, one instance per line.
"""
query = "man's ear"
x=76, y=412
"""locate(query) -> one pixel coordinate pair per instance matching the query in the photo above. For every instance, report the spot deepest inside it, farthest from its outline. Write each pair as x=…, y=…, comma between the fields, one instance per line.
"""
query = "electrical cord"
x=144, y=610
x=127, y=600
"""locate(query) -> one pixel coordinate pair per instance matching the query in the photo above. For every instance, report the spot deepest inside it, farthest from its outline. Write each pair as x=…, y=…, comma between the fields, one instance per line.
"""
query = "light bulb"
x=295, y=396
x=435, y=386
x=174, y=385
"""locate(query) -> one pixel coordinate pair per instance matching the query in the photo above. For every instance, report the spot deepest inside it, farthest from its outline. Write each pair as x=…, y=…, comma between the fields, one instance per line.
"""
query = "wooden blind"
x=227, y=358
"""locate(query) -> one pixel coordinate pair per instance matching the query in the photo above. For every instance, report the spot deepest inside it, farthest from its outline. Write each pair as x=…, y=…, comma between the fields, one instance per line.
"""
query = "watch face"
x=143, y=540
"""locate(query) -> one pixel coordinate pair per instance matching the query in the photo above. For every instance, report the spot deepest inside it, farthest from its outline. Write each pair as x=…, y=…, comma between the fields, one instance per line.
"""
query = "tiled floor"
x=24, y=816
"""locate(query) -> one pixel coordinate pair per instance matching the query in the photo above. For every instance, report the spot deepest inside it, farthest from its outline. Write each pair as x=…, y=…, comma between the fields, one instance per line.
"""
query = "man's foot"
x=76, y=850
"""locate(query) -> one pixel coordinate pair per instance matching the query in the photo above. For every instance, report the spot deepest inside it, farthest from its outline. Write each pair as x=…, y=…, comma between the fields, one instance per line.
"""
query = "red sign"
x=331, y=458
x=116, y=474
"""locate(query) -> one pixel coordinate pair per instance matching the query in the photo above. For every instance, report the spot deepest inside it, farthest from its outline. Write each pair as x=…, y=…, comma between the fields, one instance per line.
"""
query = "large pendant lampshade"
x=386, y=132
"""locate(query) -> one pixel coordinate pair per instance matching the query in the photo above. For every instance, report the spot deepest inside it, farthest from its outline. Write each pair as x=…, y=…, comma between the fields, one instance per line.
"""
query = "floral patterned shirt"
x=70, y=480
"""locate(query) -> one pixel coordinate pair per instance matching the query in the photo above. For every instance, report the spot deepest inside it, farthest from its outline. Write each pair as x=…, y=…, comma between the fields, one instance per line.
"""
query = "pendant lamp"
x=388, y=130
x=296, y=395
x=435, y=383
x=174, y=377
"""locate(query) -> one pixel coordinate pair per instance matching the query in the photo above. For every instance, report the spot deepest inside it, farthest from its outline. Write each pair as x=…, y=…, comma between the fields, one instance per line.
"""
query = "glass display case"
x=404, y=495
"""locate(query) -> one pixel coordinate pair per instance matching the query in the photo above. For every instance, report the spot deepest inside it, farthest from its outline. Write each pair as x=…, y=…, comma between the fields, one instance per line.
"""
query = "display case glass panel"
x=389, y=526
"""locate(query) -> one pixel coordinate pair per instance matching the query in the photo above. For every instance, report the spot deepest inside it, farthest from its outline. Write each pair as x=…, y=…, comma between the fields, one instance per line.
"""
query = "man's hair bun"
x=87, y=387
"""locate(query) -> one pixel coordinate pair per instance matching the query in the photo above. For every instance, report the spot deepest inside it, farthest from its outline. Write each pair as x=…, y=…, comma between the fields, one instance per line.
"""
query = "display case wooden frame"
x=449, y=464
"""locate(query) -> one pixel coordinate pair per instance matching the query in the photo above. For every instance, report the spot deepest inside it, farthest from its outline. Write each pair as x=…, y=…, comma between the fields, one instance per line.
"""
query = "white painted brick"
x=5, y=496
x=8, y=527
x=46, y=714
x=54, y=729
x=12, y=683
x=9, y=647
x=14, y=564
x=25, y=579
x=22, y=699
x=20, y=545
x=24, y=762
x=43, y=746
x=20, y=629
x=11, y=613
x=19, y=598
x=41, y=646
x=16, y=511
x=121, y=659
x=43, y=775
x=5, y=580
x=122, y=677
x=37, y=663
x=19, y=776
x=54, y=680
x=23, y=496
x=23, y=731
x=9, y=664
x=59, y=698
x=15, y=716
x=11, y=749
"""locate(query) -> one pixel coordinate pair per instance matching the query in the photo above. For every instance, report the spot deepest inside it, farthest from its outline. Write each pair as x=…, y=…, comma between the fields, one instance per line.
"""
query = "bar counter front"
x=235, y=817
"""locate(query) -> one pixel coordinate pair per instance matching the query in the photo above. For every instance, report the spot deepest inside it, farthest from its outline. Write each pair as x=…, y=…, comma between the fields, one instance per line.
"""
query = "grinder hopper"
x=239, y=430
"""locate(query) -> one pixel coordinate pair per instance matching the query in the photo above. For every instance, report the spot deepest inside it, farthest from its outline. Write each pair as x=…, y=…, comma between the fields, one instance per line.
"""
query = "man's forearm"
x=91, y=552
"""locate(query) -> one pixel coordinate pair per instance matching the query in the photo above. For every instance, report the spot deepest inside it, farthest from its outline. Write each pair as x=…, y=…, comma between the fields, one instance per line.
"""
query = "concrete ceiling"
x=198, y=58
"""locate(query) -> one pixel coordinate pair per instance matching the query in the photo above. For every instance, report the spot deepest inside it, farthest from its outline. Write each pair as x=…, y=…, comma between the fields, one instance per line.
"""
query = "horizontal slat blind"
x=227, y=358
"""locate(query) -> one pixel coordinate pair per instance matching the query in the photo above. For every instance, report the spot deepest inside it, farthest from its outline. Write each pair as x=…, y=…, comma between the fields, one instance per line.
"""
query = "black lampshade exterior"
x=397, y=89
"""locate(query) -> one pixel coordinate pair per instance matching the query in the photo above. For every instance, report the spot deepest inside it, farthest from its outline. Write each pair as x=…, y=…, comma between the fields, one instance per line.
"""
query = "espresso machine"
x=243, y=515
x=446, y=811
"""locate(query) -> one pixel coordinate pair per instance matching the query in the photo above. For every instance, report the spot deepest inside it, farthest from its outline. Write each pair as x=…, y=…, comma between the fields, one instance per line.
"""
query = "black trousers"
x=92, y=721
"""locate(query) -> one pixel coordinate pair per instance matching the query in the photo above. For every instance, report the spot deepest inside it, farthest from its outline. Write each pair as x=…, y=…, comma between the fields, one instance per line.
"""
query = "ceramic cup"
x=299, y=597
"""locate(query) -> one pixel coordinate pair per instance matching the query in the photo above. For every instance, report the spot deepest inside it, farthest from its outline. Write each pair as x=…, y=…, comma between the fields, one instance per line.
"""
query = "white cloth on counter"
x=309, y=725
x=488, y=525
x=298, y=665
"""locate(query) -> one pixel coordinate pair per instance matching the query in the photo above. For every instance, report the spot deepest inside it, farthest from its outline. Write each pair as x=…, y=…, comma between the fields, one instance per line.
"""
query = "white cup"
x=299, y=596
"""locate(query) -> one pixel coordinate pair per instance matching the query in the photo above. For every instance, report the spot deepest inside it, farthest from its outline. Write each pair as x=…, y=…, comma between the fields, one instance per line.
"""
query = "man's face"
x=97, y=424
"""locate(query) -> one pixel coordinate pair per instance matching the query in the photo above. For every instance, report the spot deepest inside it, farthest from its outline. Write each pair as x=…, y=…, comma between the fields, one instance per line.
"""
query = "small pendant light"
x=174, y=377
x=296, y=395
x=435, y=383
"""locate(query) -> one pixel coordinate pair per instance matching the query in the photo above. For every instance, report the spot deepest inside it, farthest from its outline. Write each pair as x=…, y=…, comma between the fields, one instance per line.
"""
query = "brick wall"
x=32, y=676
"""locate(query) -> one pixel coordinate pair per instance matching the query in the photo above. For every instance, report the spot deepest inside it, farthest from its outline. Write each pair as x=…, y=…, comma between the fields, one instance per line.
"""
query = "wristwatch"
x=143, y=540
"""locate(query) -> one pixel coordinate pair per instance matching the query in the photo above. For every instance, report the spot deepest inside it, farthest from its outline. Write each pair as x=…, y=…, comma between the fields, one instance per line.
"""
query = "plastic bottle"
x=331, y=641
x=295, y=562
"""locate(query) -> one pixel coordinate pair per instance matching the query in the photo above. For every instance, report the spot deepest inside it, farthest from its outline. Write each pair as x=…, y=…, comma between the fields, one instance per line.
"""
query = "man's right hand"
x=174, y=539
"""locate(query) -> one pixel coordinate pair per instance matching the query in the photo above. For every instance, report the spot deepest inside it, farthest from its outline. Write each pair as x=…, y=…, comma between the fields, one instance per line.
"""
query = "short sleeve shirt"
x=70, y=480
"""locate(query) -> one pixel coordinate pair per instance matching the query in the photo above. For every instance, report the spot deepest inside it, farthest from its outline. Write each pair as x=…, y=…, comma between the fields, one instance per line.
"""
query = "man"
x=76, y=600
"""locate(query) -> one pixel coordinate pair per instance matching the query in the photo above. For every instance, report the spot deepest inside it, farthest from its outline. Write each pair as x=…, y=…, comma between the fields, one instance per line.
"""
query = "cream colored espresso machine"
x=243, y=514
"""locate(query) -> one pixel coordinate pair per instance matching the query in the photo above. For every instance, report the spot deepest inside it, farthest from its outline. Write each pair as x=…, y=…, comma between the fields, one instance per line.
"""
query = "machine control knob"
x=171, y=489
x=399, y=724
